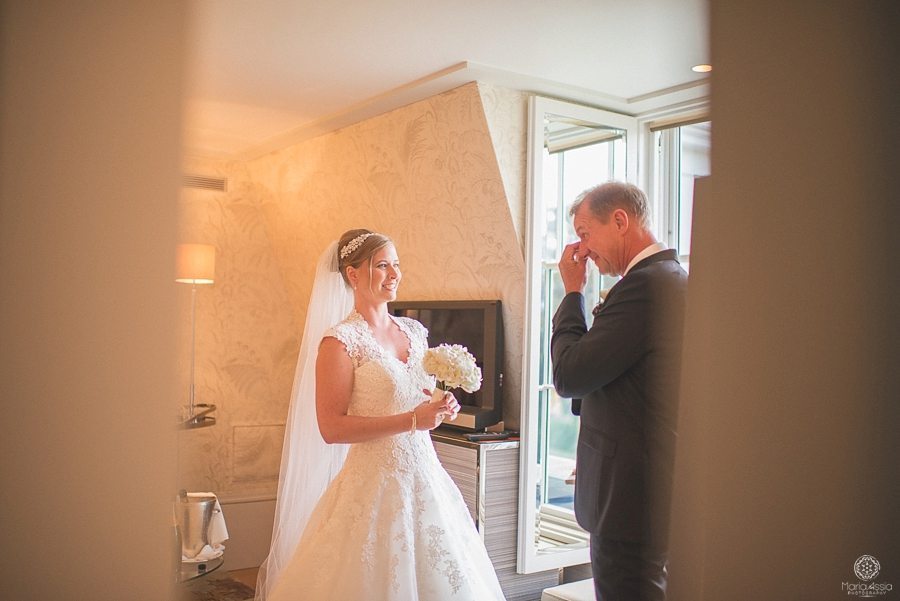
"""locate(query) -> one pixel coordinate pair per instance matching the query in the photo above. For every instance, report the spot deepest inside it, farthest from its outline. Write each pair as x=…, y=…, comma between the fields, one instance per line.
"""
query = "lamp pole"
x=195, y=265
x=193, y=342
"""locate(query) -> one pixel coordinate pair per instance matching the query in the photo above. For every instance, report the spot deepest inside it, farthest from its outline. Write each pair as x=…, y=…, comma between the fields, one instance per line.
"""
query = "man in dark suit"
x=625, y=369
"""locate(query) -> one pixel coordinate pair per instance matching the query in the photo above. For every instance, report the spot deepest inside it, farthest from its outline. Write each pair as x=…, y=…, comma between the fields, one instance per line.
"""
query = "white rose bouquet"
x=453, y=366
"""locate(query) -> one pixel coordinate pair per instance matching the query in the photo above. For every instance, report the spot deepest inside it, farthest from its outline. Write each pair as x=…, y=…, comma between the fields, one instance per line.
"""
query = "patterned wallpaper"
x=444, y=177
x=507, y=117
x=246, y=343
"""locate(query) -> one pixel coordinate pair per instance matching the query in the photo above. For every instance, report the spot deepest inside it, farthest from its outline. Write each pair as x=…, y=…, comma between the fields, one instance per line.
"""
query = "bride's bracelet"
x=412, y=430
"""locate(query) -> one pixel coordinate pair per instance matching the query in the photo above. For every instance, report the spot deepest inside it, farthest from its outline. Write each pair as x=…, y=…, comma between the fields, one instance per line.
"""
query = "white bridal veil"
x=308, y=464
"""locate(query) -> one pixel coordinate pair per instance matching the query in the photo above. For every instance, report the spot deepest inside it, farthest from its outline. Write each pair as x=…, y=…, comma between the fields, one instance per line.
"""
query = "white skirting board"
x=249, y=522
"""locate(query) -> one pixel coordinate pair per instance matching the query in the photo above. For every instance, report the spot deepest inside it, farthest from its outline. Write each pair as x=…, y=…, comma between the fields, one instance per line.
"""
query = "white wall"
x=89, y=139
x=249, y=522
x=787, y=466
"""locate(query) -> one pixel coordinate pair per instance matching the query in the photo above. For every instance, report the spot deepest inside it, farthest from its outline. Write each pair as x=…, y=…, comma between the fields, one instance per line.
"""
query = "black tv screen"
x=477, y=325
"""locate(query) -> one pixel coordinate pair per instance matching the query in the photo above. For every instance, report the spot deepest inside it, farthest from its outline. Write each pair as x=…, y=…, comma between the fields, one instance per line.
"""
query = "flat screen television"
x=477, y=325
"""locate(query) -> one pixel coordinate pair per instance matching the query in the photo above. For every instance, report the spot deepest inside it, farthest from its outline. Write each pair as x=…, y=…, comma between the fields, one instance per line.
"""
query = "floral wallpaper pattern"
x=507, y=114
x=246, y=340
x=444, y=177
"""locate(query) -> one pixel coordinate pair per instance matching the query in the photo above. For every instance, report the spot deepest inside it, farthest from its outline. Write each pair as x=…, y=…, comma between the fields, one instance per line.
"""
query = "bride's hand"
x=431, y=413
x=452, y=406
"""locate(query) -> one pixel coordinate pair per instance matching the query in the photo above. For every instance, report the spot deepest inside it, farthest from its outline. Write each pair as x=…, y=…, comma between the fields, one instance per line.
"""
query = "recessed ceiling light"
x=701, y=68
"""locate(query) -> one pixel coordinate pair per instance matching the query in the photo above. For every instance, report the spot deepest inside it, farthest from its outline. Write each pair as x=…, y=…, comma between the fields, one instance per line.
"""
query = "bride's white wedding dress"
x=392, y=525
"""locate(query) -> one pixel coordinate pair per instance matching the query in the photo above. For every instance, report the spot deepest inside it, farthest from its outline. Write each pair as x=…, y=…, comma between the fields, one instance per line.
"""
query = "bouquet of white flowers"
x=453, y=366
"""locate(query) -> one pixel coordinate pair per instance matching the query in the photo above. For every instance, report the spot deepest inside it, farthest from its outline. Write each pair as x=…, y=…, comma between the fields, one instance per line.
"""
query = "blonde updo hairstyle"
x=362, y=253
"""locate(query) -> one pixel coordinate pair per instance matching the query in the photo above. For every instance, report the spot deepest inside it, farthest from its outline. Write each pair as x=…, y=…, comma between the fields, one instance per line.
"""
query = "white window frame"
x=529, y=559
x=664, y=221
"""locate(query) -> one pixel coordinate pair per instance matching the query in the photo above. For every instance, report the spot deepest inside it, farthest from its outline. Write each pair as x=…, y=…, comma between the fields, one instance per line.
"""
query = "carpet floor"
x=214, y=587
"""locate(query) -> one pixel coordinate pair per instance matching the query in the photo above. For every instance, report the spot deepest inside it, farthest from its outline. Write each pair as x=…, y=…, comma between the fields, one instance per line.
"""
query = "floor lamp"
x=195, y=265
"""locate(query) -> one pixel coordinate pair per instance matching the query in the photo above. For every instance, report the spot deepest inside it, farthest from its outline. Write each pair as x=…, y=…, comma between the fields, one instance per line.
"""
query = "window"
x=572, y=148
x=681, y=154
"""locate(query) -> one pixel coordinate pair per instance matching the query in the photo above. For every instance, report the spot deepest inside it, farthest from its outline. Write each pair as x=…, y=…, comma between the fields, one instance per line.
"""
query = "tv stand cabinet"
x=487, y=474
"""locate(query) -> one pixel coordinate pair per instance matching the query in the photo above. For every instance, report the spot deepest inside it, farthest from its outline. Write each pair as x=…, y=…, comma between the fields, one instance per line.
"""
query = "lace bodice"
x=383, y=384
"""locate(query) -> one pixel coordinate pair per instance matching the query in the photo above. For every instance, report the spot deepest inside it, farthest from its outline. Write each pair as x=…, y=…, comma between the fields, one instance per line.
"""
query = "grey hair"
x=602, y=200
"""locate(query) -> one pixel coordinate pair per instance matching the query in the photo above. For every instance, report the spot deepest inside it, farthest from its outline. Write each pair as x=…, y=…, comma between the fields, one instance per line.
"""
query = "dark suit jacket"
x=626, y=371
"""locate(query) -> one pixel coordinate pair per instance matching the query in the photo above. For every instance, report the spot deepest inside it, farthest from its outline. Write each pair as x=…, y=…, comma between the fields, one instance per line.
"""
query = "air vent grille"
x=218, y=184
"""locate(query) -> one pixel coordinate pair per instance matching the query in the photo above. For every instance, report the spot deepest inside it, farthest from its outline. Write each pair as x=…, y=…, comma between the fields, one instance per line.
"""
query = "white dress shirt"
x=650, y=250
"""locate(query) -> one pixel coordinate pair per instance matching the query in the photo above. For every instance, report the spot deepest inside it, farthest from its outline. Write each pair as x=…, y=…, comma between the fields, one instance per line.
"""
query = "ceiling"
x=264, y=74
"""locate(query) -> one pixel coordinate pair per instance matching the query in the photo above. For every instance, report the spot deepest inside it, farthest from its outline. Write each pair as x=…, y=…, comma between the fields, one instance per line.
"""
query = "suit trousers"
x=625, y=571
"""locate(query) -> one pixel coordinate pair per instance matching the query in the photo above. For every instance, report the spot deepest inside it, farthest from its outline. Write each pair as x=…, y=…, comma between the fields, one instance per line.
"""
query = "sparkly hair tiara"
x=351, y=246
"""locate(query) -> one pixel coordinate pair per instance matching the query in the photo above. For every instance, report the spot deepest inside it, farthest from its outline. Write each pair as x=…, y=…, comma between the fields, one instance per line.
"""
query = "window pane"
x=547, y=309
x=562, y=438
x=694, y=155
x=552, y=203
x=543, y=406
x=585, y=167
x=567, y=174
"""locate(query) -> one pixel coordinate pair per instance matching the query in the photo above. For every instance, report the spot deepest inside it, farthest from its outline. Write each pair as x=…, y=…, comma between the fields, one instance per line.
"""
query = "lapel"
x=664, y=255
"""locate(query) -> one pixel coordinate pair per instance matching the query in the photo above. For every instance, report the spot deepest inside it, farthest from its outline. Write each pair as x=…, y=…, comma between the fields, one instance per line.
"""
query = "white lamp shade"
x=195, y=263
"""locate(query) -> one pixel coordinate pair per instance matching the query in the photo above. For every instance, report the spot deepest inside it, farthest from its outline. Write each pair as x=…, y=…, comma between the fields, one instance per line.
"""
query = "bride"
x=380, y=519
